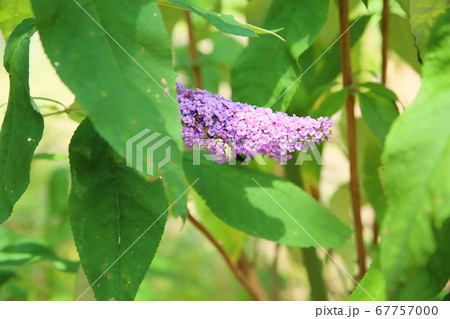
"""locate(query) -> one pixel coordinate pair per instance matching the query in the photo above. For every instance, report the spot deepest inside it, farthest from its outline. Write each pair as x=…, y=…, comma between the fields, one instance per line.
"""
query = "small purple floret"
x=226, y=128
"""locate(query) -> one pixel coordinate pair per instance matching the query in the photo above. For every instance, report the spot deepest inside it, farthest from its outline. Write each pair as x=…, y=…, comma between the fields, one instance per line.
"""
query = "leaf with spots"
x=23, y=124
x=117, y=217
x=265, y=206
x=118, y=63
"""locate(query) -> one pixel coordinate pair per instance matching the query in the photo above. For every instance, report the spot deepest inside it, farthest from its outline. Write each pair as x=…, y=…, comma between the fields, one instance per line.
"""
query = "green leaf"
x=12, y=13
x=402, y=41
x=117, y=217
x=170, y=16
x=120, y=85
x=224, y=22
x=331, y=104
x=259, y=30
x=56, y=225
x=250, y=201
x=79, y=115
x=404, y=4
x=417, y=168
x=5, y=275
x=215, y=67
x=16, y=250
x=378, y=110
x=323, y=72
x=59, y=190
x=373, y=284
x=371, y=178
x=268, y=66
x=340, y=206
x=327, y=68
x=231, y=239
x=51, y=157
x=302, y=21
x=256, y=11
x=380, y=90
x=371, y=170
x=31, y=252
x=23, y=124
x=250, y=74
x=422, y=16
x=431, y=279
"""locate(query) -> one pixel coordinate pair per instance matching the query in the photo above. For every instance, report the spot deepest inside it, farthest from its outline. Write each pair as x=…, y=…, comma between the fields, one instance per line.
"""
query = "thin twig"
x=49, y=100
x=67, y=111
x=193, y=51
x=351, y=135
x=242, y=270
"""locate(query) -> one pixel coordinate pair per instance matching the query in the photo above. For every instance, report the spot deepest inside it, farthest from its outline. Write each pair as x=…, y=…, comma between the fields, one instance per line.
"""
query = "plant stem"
x=67, y=111
x=242, y=269
x=313, y=266
x=275, y=282
x=49, y=100
x=193, y=51
x=351, y=134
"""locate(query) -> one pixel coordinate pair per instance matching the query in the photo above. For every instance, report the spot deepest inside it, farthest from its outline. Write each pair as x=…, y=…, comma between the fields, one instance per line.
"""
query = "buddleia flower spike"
x=218, y=125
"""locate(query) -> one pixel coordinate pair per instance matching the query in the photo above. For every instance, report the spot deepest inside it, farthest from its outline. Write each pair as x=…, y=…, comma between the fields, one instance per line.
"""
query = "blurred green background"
x=186, y=266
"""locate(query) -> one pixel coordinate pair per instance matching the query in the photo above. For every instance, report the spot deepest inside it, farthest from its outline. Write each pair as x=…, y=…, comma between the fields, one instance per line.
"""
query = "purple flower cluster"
x=226, y=128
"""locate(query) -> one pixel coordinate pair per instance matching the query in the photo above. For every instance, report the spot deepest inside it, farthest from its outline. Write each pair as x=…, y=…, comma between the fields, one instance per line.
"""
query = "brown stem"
x=193, y=51
x=275, y=281
x=254, y=285
x=242, y=269
x=351, y=134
